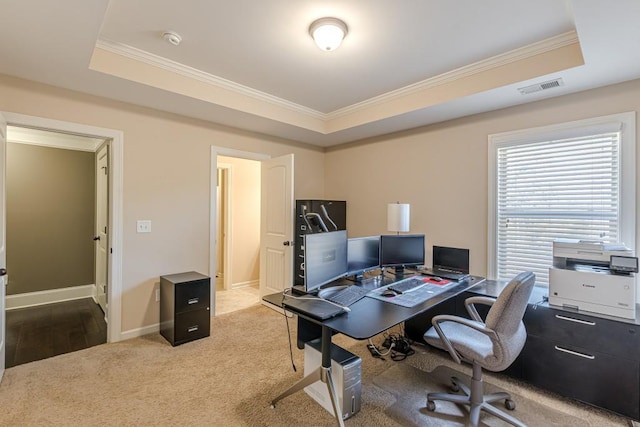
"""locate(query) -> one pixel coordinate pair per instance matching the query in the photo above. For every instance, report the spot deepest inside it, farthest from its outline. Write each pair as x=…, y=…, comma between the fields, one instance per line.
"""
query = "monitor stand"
x=400, y=273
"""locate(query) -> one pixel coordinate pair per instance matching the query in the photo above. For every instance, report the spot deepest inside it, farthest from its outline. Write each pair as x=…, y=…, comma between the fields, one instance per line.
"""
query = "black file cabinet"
x=185, y=312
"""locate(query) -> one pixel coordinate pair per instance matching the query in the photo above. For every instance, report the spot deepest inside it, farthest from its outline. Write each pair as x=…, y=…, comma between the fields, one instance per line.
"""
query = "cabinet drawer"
x=192, y=325
x=599, y=379
x=588, y=332
x=192, y=296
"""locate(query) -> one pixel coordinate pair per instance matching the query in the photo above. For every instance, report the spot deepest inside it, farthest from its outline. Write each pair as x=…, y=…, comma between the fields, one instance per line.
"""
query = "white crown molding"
x=494, y=62
x=193, y=73
x=497, y=61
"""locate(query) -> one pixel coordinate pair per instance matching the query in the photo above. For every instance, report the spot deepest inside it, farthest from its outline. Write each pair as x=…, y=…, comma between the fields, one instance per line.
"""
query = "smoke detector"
x=172, y=37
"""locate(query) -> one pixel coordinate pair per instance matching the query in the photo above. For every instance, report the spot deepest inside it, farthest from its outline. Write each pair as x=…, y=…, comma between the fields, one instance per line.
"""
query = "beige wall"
x=441, y=170
x=166, y=179
x=50, y=218
x=245, y=220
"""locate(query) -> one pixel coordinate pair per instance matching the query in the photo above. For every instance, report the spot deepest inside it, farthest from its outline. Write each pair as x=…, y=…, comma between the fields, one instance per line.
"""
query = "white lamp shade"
x=398, y=215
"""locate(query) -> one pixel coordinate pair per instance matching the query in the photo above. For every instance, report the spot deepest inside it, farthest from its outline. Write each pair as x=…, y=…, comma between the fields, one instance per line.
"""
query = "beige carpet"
x=227, y=379
x=410, y=385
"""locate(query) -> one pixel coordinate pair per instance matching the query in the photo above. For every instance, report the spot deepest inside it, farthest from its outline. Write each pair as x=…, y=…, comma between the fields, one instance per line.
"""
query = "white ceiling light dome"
x=172, y=37
x=328, y=33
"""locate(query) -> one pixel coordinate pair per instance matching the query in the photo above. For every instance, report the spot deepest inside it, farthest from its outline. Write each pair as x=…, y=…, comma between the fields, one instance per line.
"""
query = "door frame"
x=114, y=268
x=213, y=210
x=227, y=256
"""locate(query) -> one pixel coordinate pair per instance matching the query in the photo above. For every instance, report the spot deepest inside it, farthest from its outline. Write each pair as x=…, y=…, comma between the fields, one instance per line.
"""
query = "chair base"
x=475, y=398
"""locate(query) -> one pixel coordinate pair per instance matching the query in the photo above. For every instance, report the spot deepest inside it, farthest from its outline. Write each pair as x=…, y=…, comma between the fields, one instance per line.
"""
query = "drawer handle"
x=575, y=353
x=571, y=319
x=193, y=301
x=193, y=329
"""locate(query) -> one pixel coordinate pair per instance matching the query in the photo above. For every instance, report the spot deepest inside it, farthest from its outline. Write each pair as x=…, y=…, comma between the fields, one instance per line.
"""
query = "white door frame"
x=227, y=257
x=114, y=285
x=213, y=217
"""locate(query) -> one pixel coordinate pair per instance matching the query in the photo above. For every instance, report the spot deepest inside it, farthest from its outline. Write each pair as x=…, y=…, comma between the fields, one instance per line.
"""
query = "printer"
x=593, y=276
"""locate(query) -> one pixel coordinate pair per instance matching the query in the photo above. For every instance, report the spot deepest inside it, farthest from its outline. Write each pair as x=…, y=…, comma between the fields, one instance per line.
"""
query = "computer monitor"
x=453, y=259
x=401, y=250
x=325, y=258
x=363, y=254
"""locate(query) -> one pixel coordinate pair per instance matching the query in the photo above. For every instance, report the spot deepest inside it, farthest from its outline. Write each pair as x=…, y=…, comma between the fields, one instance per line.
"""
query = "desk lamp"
x=398, y=217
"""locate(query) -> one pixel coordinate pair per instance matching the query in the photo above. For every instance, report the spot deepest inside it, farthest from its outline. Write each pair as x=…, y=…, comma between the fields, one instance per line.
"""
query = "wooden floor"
x=36, y=333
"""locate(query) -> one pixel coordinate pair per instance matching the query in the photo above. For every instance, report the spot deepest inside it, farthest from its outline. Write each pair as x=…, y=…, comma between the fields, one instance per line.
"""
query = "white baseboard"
x=32, y=299
x=138, y=332
x=245, y=284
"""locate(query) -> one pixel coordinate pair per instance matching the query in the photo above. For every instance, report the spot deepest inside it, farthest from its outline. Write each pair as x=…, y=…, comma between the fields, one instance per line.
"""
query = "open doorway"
x=53, y=202
x=237, y=275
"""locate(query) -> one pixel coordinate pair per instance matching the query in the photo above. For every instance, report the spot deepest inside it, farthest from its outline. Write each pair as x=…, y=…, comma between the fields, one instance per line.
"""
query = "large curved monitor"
x=325, y=258
x=401, y=250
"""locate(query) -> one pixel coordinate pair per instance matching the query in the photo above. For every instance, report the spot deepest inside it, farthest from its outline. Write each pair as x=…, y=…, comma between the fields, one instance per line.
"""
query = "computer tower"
x=315, y=216
x=346, y=373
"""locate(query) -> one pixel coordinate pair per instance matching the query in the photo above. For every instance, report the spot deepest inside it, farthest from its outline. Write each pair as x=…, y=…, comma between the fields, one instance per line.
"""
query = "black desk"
x=367, y=318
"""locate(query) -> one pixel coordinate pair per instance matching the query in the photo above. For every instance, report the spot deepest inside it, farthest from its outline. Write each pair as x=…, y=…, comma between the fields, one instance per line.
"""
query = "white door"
x=102, y=221
x=276, y=227
x=3, y=249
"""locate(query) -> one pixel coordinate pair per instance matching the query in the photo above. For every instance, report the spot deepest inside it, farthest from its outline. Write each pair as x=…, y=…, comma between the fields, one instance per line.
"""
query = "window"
x=574, y=180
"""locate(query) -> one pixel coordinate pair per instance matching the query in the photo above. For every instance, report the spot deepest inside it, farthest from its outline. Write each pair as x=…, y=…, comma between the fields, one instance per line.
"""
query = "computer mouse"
x=436, y=279
x=388, y=293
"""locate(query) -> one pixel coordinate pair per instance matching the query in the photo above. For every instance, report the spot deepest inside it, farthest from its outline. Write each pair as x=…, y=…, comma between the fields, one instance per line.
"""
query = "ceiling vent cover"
x=541, y=86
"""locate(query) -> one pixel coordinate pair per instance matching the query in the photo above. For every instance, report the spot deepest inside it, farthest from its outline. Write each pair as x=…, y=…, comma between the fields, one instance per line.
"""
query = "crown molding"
x=531, y=50
x=193, y=73
x=29, y=136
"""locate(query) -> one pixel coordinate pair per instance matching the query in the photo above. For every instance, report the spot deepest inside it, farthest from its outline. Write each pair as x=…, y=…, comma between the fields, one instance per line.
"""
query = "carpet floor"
x=227, y=379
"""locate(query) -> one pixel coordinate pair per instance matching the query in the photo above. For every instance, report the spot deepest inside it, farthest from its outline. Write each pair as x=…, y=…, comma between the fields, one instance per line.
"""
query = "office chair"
x=492, y=344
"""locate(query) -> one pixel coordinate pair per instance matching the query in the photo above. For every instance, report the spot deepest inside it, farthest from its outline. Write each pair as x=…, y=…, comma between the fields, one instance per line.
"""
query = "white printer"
x=593, y=276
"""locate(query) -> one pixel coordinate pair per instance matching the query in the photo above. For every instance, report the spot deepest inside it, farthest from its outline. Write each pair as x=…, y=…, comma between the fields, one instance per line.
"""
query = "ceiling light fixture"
x=328, y=32
x=172, y=37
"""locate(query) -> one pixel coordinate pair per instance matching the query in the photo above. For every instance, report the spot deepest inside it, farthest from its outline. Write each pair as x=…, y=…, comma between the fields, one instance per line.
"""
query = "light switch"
x=143, y=226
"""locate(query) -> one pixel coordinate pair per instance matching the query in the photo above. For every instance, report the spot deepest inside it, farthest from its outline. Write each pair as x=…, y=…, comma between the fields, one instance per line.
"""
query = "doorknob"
x=3, y=271
x=96, y=238
x=288, y=243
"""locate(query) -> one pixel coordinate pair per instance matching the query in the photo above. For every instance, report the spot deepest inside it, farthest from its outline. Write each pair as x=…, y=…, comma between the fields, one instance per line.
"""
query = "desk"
x=367, y=318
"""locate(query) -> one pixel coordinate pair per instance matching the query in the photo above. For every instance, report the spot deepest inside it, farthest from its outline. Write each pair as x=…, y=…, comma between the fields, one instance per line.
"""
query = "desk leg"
x=322, y=373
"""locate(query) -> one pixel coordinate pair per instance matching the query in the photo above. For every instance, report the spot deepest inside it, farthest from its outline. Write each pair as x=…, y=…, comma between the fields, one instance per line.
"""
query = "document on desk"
x=413, y=298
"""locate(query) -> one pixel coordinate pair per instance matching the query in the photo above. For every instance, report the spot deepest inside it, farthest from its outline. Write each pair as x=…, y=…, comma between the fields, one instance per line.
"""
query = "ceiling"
x=252, y=65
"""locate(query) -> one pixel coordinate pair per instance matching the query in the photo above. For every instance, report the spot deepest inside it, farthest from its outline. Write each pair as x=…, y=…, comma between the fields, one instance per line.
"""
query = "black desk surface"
x=369, y=316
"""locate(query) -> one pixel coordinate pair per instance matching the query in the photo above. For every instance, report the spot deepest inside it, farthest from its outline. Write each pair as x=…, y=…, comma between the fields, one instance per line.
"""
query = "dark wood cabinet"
x=584, y=356
x=185, y=313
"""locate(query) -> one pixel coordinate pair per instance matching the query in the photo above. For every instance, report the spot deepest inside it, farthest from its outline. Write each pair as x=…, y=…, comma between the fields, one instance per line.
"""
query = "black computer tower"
x=315, y=216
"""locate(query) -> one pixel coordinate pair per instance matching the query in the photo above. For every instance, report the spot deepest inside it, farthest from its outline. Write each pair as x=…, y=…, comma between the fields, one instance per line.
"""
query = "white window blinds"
x=566, y=188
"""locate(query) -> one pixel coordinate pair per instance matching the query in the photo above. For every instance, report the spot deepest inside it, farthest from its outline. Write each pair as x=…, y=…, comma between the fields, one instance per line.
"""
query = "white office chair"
x=493, y=344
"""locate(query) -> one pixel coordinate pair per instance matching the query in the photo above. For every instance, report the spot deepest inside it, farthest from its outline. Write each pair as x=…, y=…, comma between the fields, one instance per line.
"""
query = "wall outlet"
x=143, y=226
x=157, y=295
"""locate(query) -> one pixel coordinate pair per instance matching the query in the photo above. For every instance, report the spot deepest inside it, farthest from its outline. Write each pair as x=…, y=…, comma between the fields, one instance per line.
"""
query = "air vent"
x=541, y=86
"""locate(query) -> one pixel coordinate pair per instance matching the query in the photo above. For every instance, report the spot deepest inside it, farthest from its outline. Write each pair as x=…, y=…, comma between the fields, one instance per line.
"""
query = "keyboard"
x=347, y=296
x=407, y=285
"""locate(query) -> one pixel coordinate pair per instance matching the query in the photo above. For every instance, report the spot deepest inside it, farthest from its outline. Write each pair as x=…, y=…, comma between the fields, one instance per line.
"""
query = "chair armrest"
x=470, y=302
x=478, y=326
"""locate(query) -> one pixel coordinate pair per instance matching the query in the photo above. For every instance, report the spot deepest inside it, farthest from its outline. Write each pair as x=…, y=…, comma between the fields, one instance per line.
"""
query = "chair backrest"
x=505, y=315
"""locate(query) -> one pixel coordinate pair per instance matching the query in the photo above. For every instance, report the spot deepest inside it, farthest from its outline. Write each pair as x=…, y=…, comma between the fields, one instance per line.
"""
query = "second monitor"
x=363, y=254
x=401, y=250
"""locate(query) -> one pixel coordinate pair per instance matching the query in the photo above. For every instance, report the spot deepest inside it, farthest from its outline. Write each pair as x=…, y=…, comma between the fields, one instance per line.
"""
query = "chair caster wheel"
x=509, y=404
x=431, y=405
x=272, y=406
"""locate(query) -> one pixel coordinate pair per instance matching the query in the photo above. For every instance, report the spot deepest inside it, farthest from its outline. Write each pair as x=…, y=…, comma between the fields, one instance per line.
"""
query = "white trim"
x=30, y=136
x=228, y=225
x=246, y=284
x=139, y=332
x=51, y=296
x=114, y=286
x=625, y=122
x=213, y=177
x=529, y=51
x=210, y=79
